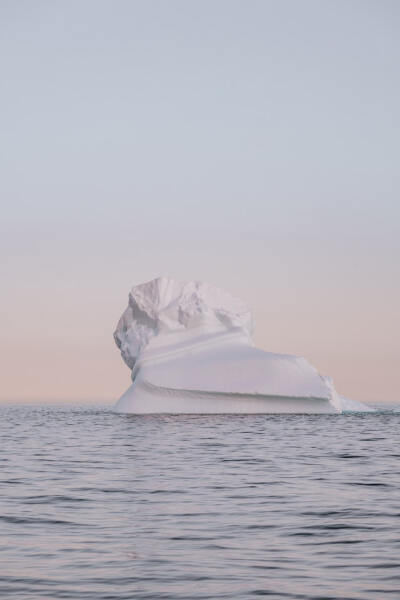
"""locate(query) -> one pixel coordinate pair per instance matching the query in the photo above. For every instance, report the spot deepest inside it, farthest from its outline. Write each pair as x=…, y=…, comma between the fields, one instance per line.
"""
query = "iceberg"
x=190, y=350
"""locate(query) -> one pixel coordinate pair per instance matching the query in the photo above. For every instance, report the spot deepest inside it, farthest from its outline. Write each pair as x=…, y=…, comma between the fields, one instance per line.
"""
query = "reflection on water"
x=106, y=506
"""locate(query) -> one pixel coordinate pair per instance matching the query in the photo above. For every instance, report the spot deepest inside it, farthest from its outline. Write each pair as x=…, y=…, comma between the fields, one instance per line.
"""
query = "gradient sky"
x=251, y=144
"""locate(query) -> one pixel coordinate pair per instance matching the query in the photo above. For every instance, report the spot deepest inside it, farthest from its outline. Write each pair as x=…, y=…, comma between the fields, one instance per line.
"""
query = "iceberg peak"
x=165, y=305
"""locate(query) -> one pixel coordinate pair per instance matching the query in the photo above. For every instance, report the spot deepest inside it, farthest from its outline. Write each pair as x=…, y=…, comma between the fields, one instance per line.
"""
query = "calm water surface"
x=105, y=506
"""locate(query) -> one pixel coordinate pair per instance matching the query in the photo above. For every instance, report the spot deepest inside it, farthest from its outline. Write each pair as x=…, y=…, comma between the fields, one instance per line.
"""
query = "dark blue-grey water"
x=96, y=505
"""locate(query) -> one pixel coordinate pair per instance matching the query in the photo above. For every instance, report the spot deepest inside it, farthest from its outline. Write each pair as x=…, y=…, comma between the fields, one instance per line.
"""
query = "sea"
x=104, y=506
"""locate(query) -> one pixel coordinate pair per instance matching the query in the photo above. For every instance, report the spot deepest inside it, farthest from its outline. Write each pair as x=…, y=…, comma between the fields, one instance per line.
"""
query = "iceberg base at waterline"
x=190, y=350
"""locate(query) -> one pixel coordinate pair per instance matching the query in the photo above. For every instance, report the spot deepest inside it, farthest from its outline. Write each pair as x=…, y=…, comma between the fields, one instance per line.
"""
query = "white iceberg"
x=190, y=350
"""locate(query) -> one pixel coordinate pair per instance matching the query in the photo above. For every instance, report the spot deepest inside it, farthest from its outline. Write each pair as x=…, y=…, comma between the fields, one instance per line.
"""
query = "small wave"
x=36, y=521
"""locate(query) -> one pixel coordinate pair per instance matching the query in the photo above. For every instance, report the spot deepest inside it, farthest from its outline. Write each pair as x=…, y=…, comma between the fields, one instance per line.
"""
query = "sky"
x=251, y=144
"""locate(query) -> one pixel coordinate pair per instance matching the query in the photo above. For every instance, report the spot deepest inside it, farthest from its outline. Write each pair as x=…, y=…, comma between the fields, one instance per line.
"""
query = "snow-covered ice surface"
x=190, y=350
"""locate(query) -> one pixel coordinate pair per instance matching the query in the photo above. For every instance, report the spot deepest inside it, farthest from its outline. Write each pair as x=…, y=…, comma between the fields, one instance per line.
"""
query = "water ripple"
x=101, y=506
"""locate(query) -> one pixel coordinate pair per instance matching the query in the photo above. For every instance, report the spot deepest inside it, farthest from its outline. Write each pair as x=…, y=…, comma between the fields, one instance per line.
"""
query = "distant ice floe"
x=190, y=350
x=354, y=406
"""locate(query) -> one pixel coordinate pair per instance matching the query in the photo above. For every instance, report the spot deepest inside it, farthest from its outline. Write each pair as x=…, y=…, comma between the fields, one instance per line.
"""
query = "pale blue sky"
x=252, y=144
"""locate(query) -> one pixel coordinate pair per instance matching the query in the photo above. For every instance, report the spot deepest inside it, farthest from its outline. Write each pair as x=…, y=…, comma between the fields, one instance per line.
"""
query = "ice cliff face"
x=167, y=306
x=190, y=350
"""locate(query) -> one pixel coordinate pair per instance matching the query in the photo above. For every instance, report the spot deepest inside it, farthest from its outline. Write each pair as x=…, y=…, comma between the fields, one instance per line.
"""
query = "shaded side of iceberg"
x=190, y=350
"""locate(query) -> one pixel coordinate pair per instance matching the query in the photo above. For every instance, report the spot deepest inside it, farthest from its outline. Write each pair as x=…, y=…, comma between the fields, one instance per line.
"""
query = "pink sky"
x=254, y=146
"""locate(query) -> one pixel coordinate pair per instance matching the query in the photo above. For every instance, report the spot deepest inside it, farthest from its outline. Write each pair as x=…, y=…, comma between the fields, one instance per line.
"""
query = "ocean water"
x=102, y=506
